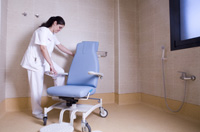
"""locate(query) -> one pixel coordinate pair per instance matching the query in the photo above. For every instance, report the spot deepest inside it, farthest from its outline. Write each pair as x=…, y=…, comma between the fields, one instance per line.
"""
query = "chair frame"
x=73, y=108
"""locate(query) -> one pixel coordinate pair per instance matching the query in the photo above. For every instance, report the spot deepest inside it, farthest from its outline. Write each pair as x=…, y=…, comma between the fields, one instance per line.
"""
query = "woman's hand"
x=52, y=70
x=48, y=59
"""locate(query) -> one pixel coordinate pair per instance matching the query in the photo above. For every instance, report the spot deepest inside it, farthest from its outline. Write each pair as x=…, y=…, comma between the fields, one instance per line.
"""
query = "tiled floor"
x=123, y=118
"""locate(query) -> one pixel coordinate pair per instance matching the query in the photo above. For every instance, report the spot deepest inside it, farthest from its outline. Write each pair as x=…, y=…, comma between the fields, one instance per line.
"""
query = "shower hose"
x=165, y=95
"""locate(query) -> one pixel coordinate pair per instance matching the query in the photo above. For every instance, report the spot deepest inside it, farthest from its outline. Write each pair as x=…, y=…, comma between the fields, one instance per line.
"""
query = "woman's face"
x=57, y=27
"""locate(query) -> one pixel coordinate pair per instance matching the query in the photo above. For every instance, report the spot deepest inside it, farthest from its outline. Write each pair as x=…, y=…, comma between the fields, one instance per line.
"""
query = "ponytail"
x=51, y=20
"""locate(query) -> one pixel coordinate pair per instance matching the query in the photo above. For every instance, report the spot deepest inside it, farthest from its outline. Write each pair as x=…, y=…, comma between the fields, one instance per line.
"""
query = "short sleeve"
x=41, y=37
x=57, y=42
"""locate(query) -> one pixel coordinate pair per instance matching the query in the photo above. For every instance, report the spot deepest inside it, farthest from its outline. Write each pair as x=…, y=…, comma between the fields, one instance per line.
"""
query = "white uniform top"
x=33, y=58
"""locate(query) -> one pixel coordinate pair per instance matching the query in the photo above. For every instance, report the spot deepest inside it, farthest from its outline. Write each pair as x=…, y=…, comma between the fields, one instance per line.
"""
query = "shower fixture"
x=185, y=76
x=163, y=53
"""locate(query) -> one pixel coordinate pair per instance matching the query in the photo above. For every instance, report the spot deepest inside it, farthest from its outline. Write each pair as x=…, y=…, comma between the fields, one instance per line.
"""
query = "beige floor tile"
x=121, y=118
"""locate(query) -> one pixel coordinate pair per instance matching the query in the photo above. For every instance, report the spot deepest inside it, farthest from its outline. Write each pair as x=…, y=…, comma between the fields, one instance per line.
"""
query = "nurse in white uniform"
x=37, y=60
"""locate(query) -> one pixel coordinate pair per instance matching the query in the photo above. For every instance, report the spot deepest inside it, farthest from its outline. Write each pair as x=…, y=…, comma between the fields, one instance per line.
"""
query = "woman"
x=37, y=60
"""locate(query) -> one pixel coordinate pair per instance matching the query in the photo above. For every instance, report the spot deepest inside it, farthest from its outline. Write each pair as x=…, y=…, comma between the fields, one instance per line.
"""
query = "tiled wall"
x=154, y=32
x=127, y=47
x=3, y=5
x=2, y=50
x=131, y=31
x=2, y=96
x=86, y=20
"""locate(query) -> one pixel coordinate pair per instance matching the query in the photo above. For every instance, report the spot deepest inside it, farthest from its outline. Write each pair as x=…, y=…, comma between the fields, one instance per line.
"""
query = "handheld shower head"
x=163, y=52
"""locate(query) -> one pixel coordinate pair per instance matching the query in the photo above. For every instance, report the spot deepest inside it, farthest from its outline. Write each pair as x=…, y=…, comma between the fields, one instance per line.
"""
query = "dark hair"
x=51, y=20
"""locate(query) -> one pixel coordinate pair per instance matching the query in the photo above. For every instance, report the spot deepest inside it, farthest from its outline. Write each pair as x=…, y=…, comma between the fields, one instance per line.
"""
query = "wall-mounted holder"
x=102, y=53
x=37, y=15
x=24, y=14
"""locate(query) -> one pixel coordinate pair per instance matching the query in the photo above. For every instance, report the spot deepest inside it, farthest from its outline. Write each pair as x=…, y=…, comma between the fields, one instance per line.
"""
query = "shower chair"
x=81, y=83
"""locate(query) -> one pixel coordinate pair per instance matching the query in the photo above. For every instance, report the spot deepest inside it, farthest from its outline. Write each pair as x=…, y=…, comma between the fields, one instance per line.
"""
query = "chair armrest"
x=48, y=73
x=100, y=75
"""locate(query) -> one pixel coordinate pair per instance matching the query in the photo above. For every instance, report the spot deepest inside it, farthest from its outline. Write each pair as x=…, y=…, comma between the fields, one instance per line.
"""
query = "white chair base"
x=85, y=109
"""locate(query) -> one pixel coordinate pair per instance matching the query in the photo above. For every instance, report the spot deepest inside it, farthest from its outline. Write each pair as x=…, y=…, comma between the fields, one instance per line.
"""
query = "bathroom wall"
x=3, y=96
x=116, y=47
x=131, y=31
x=98, y=20
x=127, y=46
x=3, y=4
x=154, y=32
x=86, y=20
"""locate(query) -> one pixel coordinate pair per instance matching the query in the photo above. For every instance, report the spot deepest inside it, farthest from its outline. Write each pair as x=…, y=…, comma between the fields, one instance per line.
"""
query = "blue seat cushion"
x=71, y=91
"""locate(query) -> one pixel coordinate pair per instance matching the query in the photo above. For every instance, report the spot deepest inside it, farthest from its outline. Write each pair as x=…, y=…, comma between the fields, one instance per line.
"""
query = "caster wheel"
x=103, y=112
x=86, y=128
x=44, y=121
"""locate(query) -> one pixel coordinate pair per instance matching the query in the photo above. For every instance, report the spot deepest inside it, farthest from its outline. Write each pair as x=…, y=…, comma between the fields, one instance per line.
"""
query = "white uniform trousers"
x=36, y=80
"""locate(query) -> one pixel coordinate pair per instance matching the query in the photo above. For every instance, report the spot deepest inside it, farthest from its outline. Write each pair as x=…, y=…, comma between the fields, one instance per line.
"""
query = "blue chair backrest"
x=85, y=60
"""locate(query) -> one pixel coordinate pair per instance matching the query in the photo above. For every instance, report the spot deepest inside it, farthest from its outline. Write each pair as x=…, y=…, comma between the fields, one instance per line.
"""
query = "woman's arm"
x=64, y=49
x=47, y=58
